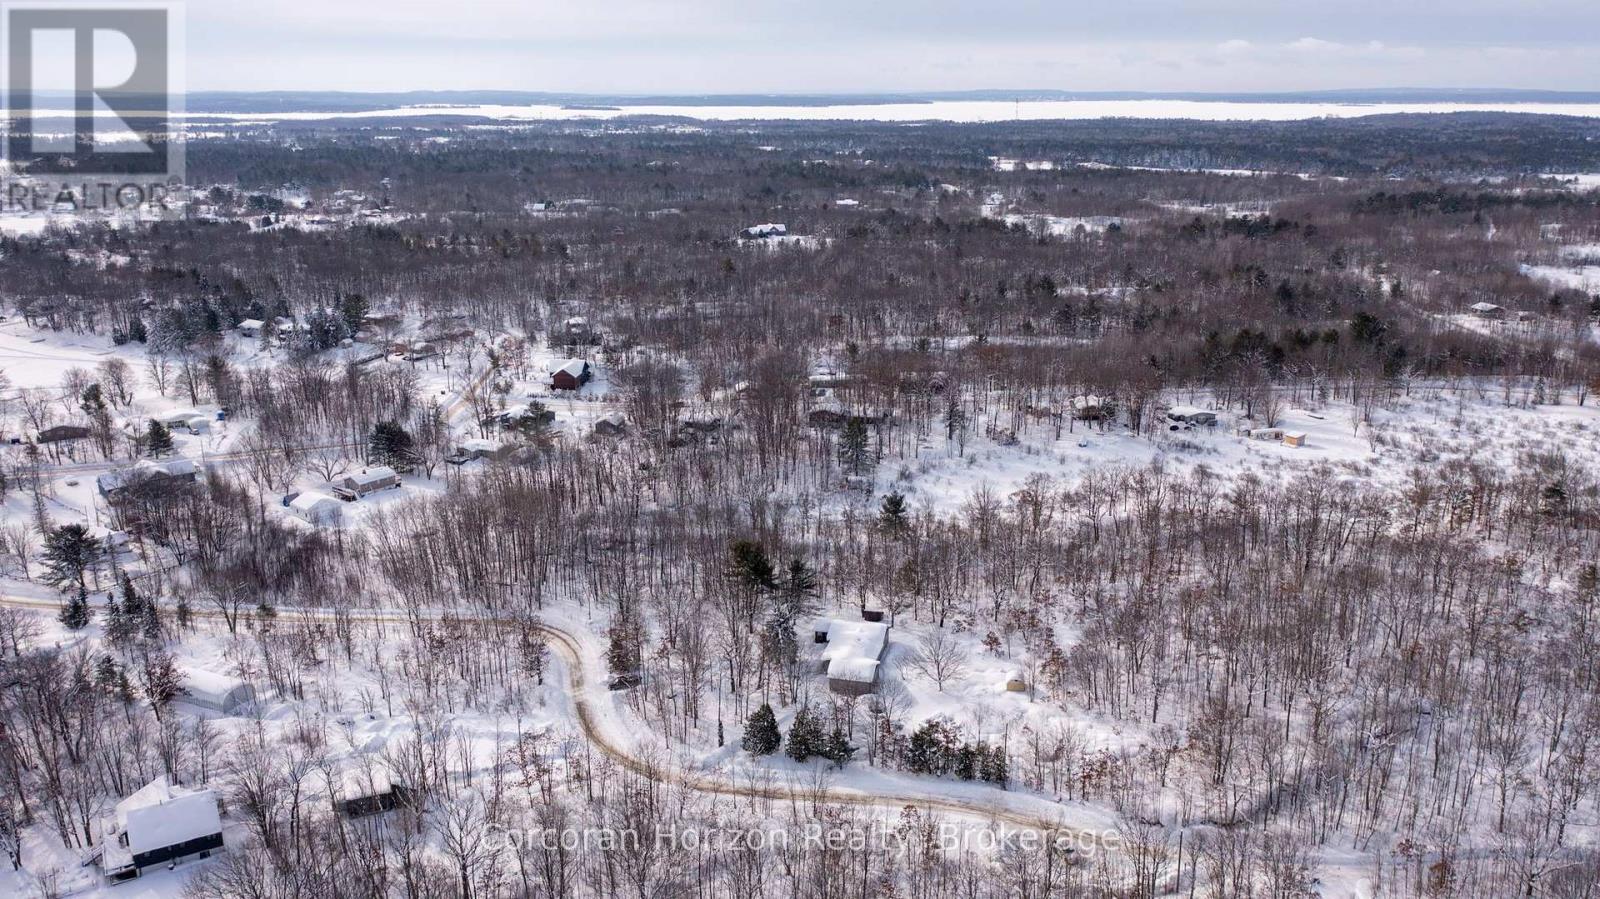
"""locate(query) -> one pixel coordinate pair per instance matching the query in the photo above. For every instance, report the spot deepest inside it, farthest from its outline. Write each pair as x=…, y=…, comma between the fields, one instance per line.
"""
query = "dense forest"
x=1258, y=679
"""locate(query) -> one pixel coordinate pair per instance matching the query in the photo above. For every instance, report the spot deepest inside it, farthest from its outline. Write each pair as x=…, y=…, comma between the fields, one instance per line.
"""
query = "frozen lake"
x=950, y=111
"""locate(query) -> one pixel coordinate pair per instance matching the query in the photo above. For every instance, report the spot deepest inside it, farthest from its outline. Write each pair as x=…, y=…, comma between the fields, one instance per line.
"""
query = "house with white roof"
x=251, y=327
x=316, y=507
x=853, y=655
x=355, y=485
x=770, y=229
x=172, y=473
x=161, y=824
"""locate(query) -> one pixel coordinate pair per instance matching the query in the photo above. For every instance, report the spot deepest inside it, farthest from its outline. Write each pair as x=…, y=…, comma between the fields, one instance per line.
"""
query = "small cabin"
x=1294, y=438
x=251, y=327
x=1487, y=310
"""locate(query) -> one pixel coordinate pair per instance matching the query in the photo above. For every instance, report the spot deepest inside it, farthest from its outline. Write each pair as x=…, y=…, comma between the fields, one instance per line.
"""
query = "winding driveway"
x=581, y=688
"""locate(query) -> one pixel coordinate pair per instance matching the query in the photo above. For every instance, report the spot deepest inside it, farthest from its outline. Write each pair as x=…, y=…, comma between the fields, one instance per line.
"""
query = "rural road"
x=581, y=689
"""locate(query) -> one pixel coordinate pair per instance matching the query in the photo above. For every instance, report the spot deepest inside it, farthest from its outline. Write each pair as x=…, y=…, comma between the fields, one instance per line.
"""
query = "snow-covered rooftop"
x=374, y=475
x=161, y=814
x=573, y=367
x=854, y=648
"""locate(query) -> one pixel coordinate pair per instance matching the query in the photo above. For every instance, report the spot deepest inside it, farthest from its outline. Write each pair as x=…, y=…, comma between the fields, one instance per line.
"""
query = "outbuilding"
x=251, y=327
x=214, y=691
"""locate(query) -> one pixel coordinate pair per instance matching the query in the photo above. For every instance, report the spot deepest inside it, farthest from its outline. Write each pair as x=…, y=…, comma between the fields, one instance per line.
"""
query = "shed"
x=251, y=327
x=359, y=791
x=214, y=691
x=160, y=824
x=1487, y=310
x=1294, y=438
x=316, y=507
x=1016, y=683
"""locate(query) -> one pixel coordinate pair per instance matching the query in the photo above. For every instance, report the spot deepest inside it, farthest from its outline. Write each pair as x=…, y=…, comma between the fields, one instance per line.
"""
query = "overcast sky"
x=699, y=46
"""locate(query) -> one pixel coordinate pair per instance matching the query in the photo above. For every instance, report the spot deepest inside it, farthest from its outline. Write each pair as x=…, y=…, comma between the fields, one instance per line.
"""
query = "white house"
x=161, y=824
x=251, y=327
x=217, y=692
x=316, y=508
x=853, y=655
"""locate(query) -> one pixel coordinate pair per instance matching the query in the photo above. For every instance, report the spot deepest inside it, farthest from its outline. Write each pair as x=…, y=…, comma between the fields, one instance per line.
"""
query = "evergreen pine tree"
x=624, y=651
x=805, y=735
x=157, y=439
x=119, y=627
x=892, y=513
x=391, y=445
x=353, y=307
x=761, y=734
x=149, y=620
x=800, y=584
x=933, y=747
x=837, y=748
x=75, y=614
x=854, y=454
x=107, y=674
x=162, y=683
x=752, y=568
x=69, y=552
